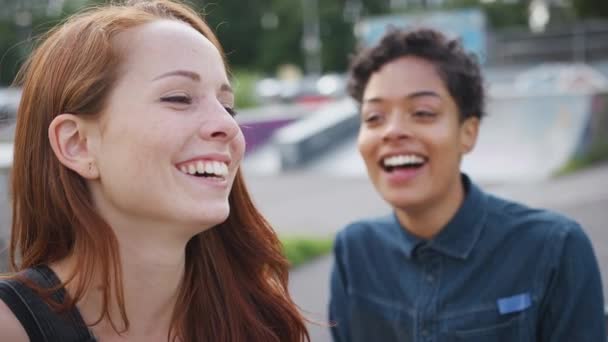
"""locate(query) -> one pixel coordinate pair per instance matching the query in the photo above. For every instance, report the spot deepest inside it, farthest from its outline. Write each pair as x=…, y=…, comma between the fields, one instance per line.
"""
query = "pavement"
x=311, y=204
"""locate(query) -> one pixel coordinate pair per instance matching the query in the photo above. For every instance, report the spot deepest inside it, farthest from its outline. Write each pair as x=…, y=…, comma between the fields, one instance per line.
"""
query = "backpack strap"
x=39, y=320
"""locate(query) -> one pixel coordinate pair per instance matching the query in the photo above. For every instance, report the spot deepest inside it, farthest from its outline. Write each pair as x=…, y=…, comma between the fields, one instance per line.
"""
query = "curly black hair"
x=458, y=69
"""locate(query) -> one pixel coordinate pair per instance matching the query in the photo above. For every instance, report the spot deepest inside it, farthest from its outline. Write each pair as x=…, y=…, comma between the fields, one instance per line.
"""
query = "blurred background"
x=544, y=142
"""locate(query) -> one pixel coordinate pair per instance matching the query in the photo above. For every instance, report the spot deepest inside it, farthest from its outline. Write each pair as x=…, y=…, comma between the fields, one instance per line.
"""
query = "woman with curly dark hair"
x=131, y=220
x=451, y=263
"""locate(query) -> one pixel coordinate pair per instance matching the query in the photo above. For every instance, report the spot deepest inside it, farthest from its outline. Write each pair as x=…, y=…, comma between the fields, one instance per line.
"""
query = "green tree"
x=498, y=13
x=591, y=8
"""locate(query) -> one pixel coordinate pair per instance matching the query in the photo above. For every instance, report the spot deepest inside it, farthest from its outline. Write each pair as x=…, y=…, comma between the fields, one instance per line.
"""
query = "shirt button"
x=425, y=333
x=430, y=278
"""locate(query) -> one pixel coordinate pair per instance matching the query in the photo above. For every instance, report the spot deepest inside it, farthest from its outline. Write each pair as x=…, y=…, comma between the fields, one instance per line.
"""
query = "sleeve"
x=573, y=308
x=338, y=302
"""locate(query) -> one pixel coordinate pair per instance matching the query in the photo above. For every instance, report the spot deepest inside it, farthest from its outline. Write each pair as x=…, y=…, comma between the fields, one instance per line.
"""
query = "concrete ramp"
x=527, y=138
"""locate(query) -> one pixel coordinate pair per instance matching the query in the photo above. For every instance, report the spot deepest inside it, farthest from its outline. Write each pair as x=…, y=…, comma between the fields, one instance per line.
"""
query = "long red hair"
x=235, y=281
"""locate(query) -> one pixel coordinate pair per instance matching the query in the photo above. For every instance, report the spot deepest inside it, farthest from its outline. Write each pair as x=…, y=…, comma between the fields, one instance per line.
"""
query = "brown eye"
x=372, y=118
x=180, y=99
x=424, y=114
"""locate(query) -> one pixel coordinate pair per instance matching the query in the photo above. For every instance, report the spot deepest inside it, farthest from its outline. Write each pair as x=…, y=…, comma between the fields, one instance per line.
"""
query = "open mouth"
x=403, y=162
x=205, y=169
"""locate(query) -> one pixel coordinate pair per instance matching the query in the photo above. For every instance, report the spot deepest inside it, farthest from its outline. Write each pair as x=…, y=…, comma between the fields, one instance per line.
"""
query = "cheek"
x=365, y=145
x=237, y=147
x=445, y=149
x=137, y=146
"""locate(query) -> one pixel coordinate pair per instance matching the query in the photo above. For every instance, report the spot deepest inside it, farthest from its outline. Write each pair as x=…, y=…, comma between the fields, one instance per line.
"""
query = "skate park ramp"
x=530, y=137
x=524, y=138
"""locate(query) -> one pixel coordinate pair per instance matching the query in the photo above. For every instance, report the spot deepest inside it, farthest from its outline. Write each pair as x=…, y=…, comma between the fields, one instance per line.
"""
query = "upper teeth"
x=207, y=166
x=404, y=159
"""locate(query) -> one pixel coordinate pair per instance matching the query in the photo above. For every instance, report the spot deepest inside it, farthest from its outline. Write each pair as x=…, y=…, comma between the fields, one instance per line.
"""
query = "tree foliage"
x=260, y=35
x=591, y=8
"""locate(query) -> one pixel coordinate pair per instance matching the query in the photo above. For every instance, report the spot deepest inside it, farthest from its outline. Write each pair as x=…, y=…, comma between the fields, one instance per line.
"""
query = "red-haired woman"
x=131, y=218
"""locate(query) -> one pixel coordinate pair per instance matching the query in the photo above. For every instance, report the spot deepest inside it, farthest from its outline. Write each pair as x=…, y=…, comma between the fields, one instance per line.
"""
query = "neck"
x=152, y=271
x=428, y=220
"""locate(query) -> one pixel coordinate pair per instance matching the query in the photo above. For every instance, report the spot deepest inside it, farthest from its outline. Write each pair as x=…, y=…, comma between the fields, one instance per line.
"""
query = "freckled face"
x=169, y=114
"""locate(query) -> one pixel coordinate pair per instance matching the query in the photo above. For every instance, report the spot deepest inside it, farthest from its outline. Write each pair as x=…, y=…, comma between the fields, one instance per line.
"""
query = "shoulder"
x=10, y=327
x=529, y=220
x=369, y=239
x=366, y=230
x=534, y=226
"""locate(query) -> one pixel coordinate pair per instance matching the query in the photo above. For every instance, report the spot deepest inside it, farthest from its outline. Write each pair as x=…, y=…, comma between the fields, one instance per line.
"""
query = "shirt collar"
x=409, y=242
x=459, y=236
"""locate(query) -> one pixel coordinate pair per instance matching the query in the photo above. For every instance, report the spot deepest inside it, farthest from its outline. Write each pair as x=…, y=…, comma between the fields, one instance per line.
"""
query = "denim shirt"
x=498, y=271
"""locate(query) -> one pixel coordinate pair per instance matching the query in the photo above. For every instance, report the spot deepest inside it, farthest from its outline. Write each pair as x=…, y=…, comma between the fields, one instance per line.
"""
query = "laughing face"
x=411, y=136
x=168, y=148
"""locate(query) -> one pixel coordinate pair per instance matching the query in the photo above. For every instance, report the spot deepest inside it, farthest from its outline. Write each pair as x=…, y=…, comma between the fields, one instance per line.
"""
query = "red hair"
x=235, y=281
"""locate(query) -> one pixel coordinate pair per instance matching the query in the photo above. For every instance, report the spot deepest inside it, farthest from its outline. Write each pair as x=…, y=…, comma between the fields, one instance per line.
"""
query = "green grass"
x=300, y=250
x=596, y=155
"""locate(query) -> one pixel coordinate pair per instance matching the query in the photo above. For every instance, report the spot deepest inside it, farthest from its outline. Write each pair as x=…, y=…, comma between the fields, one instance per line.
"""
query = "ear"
x=71, y=145
x=468, y=134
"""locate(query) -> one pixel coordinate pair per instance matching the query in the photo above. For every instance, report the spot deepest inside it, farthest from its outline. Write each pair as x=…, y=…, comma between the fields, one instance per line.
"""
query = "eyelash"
x=182, y=99
x=371, y=118
x=424, y=113
x=177, y=99
x=231, y=111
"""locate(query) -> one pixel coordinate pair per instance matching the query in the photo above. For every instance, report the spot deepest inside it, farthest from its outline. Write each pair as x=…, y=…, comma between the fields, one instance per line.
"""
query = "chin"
x=404, y=202
x=213, y=218
x=206, y=218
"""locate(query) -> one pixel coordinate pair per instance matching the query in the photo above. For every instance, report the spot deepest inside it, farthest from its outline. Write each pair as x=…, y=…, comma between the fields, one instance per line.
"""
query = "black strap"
x=39, y=320
x=13, y=299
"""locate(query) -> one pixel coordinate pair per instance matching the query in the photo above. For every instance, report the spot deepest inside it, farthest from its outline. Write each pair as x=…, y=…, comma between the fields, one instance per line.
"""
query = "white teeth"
x=404, y=159
x=191, y=169
x=224, y=169
x=216, y=167
x=200, y=167
x=209, y=167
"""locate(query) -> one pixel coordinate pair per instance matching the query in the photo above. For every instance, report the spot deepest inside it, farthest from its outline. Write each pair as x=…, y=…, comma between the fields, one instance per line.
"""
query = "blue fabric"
x=498, y=271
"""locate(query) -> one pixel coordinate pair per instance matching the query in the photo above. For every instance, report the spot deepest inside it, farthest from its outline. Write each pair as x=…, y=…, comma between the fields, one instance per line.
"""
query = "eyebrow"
x=184, y=73
x=413, y=95
x=193, y=76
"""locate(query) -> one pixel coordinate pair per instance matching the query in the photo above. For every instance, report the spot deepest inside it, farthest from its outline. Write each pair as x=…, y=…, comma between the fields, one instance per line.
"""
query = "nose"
x=218, y=124
x=396, y=128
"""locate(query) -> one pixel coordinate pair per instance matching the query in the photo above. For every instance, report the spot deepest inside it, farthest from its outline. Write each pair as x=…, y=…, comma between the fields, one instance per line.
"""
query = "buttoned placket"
x=427, y=327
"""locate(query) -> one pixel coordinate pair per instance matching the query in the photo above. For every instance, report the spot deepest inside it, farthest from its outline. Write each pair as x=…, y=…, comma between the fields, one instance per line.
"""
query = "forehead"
x=403, y=76
x=166, y=45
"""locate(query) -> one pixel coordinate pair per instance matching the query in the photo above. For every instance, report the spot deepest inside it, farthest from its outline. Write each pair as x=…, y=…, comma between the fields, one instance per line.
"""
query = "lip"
x=401, y=176
x=222, y=158
x=398, y=153
x=219, y=183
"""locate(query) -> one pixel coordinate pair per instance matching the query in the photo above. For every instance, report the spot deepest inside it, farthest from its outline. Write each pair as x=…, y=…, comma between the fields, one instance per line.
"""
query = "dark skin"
x=408, y=115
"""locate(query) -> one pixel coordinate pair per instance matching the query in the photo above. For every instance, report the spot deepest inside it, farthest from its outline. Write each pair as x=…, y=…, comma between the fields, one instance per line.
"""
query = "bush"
x=597, y=154
x=299, y=250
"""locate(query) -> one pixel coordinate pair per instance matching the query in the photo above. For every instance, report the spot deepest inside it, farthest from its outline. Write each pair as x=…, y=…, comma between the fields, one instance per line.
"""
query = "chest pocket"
x=509, y=331
x=376, y=320
x=486, y=325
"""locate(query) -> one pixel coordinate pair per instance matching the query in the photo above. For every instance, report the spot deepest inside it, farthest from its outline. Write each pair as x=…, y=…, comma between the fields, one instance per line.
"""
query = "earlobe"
x=69, y=142
x=469, y=132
